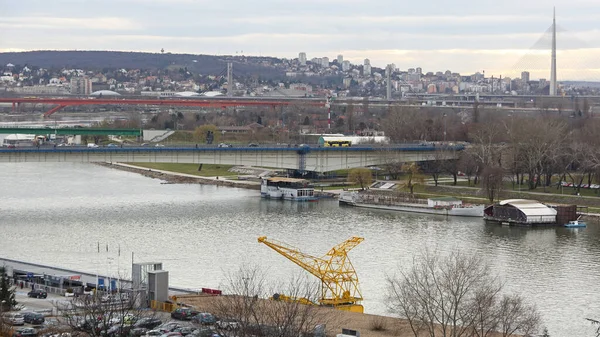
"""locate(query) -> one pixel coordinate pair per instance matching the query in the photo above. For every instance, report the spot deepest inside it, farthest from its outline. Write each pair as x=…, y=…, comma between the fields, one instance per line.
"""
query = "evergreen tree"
x=7, y=294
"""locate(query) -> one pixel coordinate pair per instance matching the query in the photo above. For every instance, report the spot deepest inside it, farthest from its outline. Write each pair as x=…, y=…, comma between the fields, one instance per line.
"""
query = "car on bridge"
x=92, y=145
x=252, y=145
x=224, y=145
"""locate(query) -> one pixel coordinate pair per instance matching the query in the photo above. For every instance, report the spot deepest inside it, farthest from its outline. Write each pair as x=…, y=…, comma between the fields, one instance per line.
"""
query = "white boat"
x=287, y=189
x=439, y=206
x=576, y=224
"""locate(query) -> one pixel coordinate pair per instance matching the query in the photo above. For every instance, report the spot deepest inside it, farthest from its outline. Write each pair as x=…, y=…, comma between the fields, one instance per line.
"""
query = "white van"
x=92, y=145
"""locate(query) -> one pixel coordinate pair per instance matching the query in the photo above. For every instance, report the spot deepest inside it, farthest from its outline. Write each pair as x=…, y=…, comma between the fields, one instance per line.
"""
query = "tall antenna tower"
x=229, y=79
x=553, y=65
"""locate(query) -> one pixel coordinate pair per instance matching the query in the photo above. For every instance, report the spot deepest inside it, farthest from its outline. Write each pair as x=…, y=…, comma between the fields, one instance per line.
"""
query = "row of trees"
x=537, y=150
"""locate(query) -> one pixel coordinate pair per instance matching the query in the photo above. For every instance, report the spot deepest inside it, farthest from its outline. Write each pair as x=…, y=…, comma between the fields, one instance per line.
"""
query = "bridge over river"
x=317, y=159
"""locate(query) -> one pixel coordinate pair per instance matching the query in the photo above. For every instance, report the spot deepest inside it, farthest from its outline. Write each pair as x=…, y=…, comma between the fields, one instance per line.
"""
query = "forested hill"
x=99, y=60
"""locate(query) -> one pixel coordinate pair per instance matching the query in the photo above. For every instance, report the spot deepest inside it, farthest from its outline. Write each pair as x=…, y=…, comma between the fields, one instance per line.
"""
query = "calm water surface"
x=57, y=213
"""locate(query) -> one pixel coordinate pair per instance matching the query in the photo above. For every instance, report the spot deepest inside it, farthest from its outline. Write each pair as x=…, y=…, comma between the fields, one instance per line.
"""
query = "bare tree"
x=468, y=165
x=360, y=176
x=95, y=314
x=405, y=124
x=596, y=323
x=413, y=175
x=457, y=295
x=279, y=310
x=492, y=179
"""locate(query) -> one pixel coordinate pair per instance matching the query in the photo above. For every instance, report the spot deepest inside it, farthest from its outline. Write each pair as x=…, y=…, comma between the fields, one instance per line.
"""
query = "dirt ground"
x=335, y=321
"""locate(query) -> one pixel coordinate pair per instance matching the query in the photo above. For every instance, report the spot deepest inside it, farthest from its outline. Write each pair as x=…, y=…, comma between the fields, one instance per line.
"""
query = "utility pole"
x=229, y=79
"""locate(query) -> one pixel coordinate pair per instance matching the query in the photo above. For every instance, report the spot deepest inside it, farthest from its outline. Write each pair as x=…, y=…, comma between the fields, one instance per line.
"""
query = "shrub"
x=378, y=323
x=70, y=290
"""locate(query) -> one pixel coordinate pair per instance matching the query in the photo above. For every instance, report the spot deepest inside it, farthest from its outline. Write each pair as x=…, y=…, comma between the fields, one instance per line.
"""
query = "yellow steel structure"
x=339, y=282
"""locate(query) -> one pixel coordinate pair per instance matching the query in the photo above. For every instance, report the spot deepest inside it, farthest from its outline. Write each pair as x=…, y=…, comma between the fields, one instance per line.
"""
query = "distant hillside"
x=98, y=60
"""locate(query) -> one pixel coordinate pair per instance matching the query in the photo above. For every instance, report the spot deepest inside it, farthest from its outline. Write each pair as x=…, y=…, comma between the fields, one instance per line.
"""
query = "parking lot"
x=116, y=325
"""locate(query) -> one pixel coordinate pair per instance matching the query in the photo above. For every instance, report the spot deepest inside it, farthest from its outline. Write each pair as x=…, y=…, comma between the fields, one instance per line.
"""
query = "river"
x=57, y=213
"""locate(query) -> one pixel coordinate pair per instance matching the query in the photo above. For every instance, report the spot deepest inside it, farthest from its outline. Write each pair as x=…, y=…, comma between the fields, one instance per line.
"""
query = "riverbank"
x=182, y=178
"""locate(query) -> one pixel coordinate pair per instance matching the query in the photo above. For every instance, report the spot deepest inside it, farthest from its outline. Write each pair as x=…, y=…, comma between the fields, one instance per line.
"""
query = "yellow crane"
x=339, y=282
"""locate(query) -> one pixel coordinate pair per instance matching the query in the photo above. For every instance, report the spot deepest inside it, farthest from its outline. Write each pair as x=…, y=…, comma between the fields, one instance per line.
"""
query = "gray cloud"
x=399, y=31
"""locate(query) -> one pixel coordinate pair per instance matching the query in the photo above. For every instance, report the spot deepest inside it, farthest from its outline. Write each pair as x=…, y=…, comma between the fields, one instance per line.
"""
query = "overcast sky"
x=459, y=35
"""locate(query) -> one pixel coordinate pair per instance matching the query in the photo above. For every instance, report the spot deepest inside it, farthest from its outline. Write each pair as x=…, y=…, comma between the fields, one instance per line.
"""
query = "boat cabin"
x=287, y=188
x=444, y=202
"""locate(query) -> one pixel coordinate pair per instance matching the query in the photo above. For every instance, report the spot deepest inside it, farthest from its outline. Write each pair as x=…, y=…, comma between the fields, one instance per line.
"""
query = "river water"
x=57, y=213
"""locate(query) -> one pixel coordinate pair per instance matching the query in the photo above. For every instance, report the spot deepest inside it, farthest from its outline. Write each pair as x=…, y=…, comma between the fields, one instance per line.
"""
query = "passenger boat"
x=440, y=206
x=576, y=224
x=287, y=189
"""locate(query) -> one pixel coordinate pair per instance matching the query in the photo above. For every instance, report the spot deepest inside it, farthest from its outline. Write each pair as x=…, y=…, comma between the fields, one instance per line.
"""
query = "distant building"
x=346, y=66
x=367, y=70
x=431, y=89
x=347, y=82
x=340, y=59
x=81, y=85
x=419, y=70
x=525, y=76
x=301, y=86
x=325, y=62
x=302, y=58
x=40, y=90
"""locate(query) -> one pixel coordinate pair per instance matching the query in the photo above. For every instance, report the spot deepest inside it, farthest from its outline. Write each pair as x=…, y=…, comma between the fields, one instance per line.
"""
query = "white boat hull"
x=468, y=211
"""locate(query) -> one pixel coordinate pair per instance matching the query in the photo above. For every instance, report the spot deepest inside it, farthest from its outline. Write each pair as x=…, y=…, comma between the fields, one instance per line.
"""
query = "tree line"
x=535, y=150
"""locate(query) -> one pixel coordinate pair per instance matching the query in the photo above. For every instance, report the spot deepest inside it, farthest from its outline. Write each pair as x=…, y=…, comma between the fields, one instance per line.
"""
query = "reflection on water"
x=60, y=212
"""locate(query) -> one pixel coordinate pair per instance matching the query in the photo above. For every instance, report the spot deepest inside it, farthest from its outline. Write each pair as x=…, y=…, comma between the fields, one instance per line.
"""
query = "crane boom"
x=339, y=282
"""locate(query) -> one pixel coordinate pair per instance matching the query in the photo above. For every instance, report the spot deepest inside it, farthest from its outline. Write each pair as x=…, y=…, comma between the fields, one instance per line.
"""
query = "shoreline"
x=181, y=178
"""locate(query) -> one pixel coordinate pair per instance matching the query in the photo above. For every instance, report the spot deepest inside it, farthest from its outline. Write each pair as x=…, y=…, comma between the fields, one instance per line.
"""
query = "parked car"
x=170, y=334
x=148, y=323
x=204, y=318
x=168, y=327
x=23, y=332
x=153, y=333
x=228, y=324
x=206, y=332
x=14, y=318
x=137, y=332
x=33, y=318
x=118, y=330
x=183, y=313
x=38, y=293
x=184, y=330
x=252, y=145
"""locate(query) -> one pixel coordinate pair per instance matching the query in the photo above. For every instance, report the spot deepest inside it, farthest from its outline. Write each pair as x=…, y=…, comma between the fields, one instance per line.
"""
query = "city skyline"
x=466, y=39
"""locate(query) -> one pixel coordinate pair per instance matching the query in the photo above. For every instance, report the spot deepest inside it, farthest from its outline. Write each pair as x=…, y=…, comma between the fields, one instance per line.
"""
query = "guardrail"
x=68, y=149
